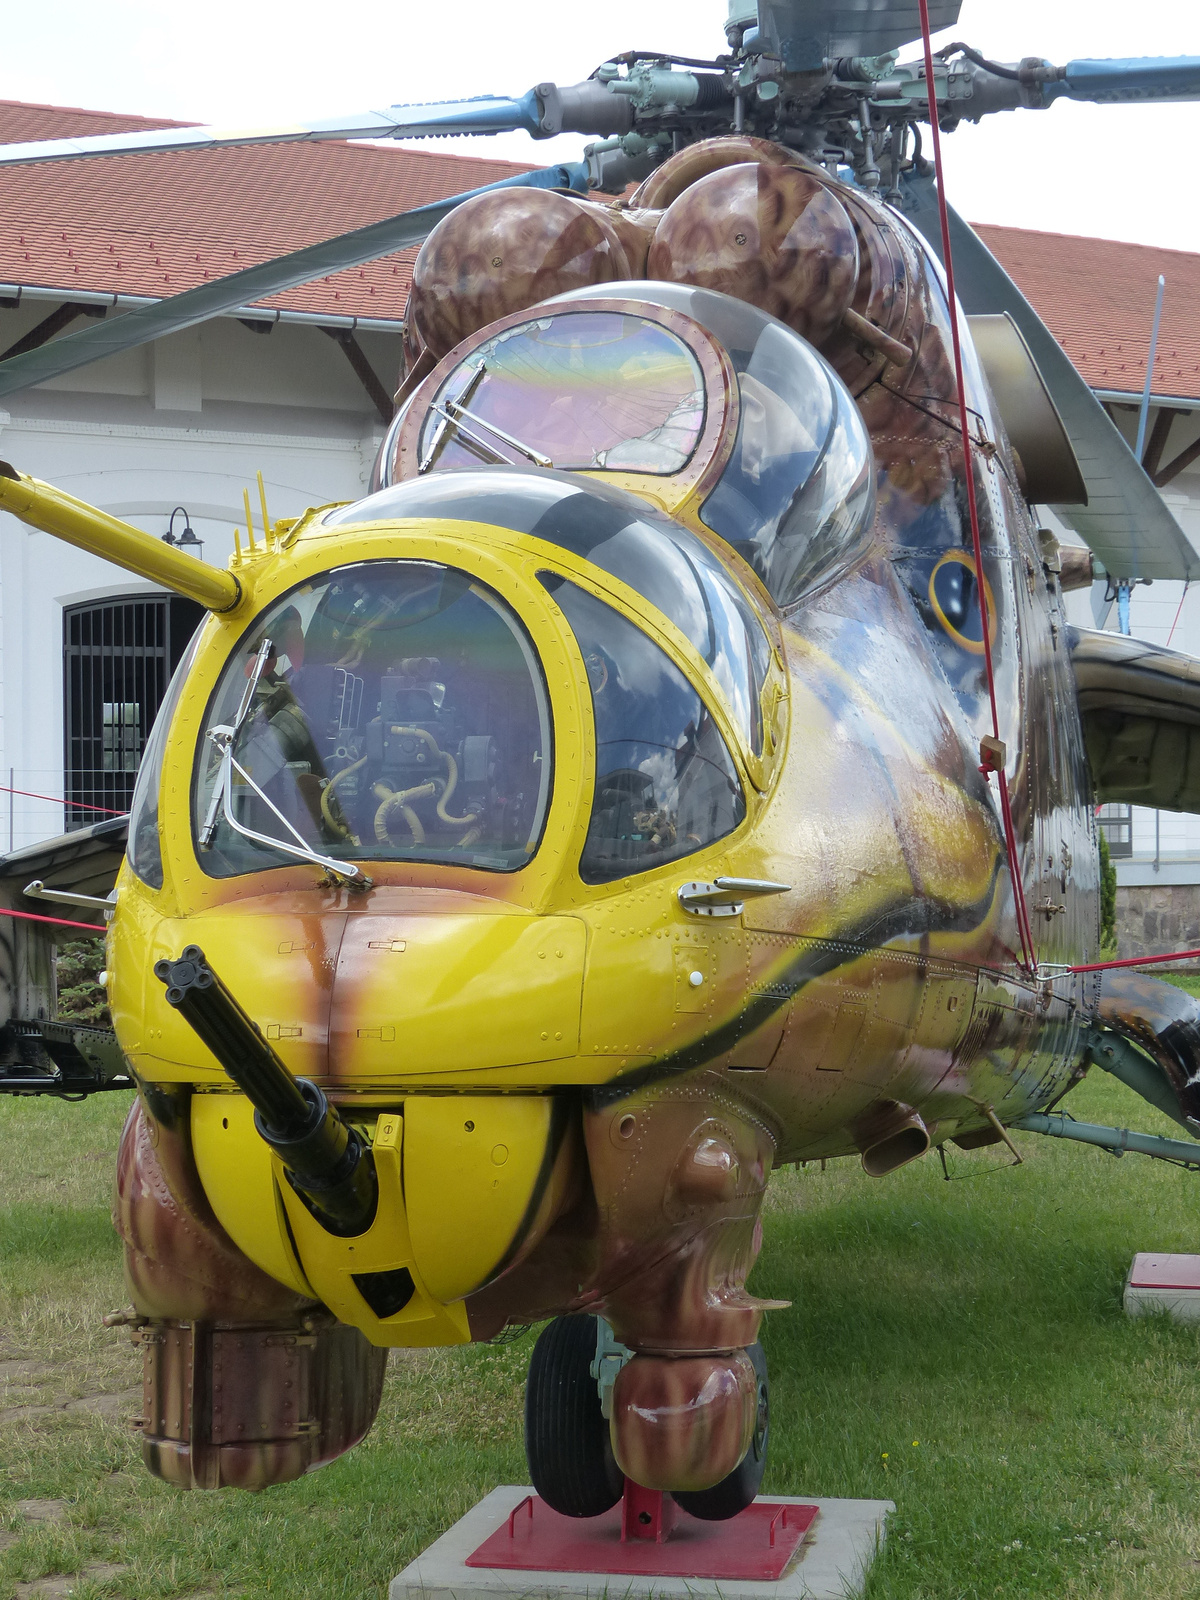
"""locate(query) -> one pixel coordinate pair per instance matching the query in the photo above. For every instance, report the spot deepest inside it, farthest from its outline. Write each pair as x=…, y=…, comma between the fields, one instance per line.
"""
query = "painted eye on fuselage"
x=954, y=600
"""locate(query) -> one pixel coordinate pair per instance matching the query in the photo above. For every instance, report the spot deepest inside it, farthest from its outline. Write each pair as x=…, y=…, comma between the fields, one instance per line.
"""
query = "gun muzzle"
x=326, y=1161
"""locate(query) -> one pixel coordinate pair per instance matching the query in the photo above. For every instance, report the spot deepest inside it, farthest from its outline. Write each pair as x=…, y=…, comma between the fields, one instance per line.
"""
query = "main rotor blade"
x=256, y=283
x=485, y=114
x=808, y=32
x=1145, y=78
x=1125, y=521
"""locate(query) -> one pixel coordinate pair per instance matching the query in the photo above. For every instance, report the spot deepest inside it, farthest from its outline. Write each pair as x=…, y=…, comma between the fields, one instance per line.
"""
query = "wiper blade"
x=460, y=411
x=446, y=427
x=453, y=413
x=302, y=850
x=224, y=736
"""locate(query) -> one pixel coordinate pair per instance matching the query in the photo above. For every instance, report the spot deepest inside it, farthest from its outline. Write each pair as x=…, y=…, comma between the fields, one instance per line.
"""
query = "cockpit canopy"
x=730, y=417
x=619, y=534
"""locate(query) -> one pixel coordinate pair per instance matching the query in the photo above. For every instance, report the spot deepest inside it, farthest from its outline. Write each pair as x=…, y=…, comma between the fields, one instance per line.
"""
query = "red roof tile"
x=1097, y=297
x=157, y=224
x=21, y=121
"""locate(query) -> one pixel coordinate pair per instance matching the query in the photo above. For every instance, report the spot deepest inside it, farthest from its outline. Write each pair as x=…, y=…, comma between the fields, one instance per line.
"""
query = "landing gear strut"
x=567, y=1437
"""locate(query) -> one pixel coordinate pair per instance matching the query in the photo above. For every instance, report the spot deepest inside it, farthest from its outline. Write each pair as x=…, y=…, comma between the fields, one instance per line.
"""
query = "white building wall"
x=189, y=421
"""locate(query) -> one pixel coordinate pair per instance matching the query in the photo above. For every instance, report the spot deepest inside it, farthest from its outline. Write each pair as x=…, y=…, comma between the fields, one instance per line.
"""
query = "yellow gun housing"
x=71, y=520
x=323, y=1156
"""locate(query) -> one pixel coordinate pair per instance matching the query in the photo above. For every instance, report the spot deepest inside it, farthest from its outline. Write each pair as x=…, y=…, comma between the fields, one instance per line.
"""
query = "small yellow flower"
x=916, y=1442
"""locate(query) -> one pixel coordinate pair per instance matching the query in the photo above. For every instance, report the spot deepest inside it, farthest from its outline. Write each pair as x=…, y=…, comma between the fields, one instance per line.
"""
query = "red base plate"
x=757, y=1544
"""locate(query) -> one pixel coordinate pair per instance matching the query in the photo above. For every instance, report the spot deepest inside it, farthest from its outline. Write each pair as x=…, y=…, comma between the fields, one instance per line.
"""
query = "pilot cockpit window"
x=797, y=496
x=586, y=392
x=388, y=711
x=666, y=784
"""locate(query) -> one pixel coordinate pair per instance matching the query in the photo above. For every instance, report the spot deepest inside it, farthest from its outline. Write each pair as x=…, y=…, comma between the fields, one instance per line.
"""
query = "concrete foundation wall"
x=1157, y=919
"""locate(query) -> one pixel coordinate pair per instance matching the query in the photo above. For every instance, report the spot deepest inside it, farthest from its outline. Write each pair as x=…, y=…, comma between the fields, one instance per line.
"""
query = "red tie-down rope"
x=992, y=760
x=61, y=800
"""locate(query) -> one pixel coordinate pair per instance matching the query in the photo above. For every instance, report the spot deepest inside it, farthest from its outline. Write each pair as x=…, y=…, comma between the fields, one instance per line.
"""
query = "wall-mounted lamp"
x=187, y=540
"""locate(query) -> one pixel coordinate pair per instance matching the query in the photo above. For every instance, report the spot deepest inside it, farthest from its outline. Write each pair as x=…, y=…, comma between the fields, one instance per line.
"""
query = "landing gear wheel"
x=566, y=1437
x=737, y=1491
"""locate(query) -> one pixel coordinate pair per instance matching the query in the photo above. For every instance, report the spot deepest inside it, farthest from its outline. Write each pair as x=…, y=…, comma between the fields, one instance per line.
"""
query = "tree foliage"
x=1108, y=899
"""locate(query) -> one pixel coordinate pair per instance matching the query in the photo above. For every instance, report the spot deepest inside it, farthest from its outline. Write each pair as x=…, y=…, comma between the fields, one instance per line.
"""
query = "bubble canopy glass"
x=590, y=391
x=619, y=534
x=665, y=785
x=796, y=497
x=399, y=713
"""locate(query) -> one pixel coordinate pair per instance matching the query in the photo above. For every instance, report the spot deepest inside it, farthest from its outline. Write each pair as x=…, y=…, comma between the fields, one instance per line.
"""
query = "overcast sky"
x=1121, y=172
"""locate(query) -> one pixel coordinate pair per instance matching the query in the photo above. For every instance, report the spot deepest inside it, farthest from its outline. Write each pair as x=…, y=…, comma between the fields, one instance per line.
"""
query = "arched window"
x=118, y=657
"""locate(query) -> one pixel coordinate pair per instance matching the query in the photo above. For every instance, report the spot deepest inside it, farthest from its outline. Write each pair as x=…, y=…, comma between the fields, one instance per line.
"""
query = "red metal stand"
x=648, y=1535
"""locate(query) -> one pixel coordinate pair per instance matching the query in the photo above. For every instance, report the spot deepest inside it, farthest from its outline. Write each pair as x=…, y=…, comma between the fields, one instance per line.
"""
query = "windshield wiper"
x=452, y=415
x=456, y=411
x=224, y=736
x=445, y=428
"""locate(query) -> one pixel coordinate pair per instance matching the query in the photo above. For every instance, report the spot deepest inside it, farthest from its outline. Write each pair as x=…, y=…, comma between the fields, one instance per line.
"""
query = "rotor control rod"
x=327, y=1162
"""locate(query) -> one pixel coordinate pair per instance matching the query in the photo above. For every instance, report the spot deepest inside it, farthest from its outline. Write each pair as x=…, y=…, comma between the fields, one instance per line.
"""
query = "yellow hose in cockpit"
x=393, y=799
x=327, y=793
x=454, y=822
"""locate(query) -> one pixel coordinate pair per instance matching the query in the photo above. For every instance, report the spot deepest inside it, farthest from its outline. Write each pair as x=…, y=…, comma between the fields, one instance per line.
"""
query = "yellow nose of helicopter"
x=377, y=813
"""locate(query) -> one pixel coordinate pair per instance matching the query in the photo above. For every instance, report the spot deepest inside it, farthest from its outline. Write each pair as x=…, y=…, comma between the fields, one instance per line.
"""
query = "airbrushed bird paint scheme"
x=532, y=856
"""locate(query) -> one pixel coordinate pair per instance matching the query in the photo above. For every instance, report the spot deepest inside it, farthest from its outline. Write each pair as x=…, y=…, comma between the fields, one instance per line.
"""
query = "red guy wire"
x=60, y=922
x=61, y=800
x=1137, y=961
x=1187, y=583
x=1010, y=842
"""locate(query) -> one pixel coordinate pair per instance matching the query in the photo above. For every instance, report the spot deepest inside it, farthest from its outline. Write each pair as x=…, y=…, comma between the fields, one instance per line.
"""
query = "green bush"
x=80, y=997
x=1108, y=901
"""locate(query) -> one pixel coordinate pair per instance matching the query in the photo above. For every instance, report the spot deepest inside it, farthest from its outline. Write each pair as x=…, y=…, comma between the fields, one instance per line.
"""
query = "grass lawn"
x=957, y=1347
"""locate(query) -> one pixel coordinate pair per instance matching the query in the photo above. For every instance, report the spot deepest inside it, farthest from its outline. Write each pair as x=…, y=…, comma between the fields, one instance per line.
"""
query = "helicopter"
x=679, y=764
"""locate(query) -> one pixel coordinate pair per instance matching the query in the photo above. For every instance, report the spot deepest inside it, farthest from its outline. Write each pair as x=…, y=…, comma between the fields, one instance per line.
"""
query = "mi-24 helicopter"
x=679, y=764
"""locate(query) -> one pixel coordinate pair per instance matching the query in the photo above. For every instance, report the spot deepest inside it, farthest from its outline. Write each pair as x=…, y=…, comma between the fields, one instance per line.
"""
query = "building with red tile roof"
x=188, y=420
x=1097, y=296
x=152, y=225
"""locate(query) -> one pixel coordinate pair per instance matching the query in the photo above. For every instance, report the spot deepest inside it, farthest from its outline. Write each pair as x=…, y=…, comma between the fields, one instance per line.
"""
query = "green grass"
x=1057, y=1443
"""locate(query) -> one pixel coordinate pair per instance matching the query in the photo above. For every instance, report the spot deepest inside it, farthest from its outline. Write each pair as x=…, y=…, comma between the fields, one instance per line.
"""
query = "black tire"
x=566, y=1437
x=737, y=1491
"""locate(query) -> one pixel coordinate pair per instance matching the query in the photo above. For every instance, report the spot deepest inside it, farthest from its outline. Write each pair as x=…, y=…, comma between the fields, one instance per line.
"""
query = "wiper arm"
x=460, y=411
x=224, y=737
x=453, y=414
x=302, y=850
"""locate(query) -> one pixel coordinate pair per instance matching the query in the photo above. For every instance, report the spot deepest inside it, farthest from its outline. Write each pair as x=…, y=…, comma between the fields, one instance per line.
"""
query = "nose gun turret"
x=326, y=1161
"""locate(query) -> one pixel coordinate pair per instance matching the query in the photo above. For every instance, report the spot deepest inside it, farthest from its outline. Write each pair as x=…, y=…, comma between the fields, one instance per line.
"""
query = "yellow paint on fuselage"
x=449, y=978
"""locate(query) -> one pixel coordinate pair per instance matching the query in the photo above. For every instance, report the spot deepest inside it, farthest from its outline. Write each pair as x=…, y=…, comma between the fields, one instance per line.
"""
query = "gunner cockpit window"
x=666, y=784
x=585, y=392
x=395, y=711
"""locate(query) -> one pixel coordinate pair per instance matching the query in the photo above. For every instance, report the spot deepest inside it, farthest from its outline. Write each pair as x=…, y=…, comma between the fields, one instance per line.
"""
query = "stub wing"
x=41, y=1053
x=1141, y=719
